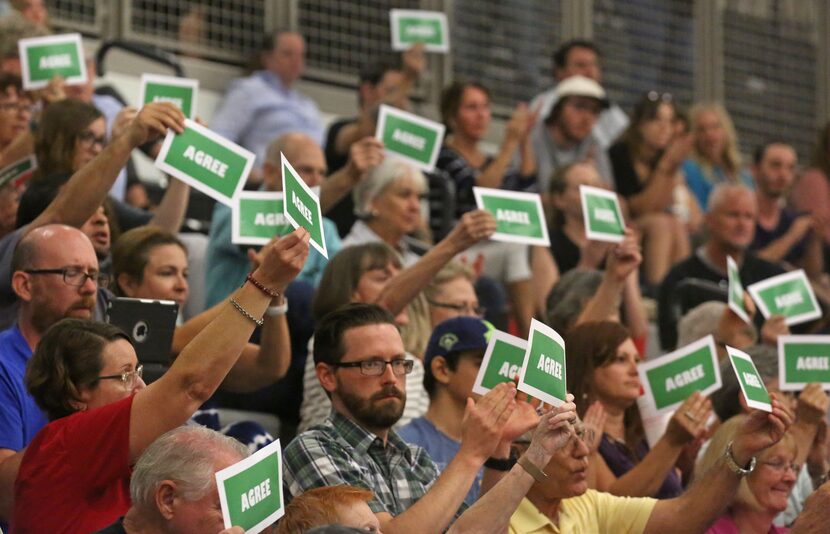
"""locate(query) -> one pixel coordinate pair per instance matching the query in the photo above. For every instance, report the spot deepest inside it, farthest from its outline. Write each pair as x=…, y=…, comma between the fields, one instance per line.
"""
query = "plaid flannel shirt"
x=340, y=451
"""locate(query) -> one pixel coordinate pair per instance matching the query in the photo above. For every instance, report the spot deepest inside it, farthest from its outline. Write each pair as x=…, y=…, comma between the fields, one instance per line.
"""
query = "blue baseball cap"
x=456, y=335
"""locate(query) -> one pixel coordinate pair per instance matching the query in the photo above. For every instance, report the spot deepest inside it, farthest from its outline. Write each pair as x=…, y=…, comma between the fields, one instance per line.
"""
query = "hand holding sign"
x=364, y=156
x=152, y=123
x=625, y=258
x=474, y=226
x=554, y=430
x=283, y=259
x=760, y=431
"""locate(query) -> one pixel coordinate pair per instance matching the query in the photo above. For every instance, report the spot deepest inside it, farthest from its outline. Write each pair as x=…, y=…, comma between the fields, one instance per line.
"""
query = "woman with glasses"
x=764, y=492
x=646, y=164
x=15, y=114
x=602, y=375
x=85, y=376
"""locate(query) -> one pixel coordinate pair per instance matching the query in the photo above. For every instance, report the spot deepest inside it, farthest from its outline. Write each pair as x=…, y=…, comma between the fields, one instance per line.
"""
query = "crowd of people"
x=368, y=357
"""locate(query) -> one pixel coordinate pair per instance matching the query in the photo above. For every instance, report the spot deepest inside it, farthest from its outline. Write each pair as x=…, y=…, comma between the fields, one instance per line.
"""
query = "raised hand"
x=364, y=155
x=282, y=259
x=774, y=326
x=473, y=227
x=484, y=422
x=812, y=405
x=594, y=424
x=689, y=421
x=524, y=418
x=152, y=122
x=624, y=258
x=555, y=428
x=761, y=431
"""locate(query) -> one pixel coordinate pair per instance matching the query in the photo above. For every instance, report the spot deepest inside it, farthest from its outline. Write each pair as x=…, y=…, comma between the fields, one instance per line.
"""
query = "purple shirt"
x=621, y=461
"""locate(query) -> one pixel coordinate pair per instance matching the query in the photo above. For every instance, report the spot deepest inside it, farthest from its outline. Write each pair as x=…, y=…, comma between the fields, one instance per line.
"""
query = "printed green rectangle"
x=789, y=294
x=803, y=360
x=408, y=139
x=419, y=30
x=206, y=161
x=601, y=214
x=258, y=217
x=411, y=26
x=736, y=290
x=669, y=380
x=43, y=58
x=181, y=97
x=519, y=216
x=17, y=170
x=786, y=299
x=543, y=368
x=752, y=385
x=301, y=207
x=674, y=382
x=502, y=362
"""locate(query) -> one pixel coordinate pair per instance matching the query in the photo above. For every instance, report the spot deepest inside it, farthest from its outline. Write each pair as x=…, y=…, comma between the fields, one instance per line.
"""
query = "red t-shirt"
x=75, y=474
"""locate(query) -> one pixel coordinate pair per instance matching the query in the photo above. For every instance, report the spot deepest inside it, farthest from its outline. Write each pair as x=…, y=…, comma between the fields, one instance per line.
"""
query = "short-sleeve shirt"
x=75, y=474
x=340, y=451
x=20, y=416
x=701, y=183
x=441, y=448
x=592, y=512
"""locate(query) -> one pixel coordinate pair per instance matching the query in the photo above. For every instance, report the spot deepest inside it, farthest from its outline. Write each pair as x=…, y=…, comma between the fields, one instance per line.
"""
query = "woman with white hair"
x=388, y=206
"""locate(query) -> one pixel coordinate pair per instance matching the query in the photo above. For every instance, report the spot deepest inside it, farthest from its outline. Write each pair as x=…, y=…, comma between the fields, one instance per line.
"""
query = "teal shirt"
x=228, y=265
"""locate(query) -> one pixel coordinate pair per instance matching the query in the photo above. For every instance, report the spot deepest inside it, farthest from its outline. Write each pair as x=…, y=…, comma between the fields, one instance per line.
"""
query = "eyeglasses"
x=73, y=276
x=15, y=107
x=129, y=379
x=654, y=96
x=399, y=366
x=781, y=465
x=478, y=311
x=88, y=139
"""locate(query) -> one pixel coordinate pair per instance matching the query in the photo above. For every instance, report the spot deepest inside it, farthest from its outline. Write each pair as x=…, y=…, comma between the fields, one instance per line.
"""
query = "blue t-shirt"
x=441, y=448
x=20, y=416
x=702, y=184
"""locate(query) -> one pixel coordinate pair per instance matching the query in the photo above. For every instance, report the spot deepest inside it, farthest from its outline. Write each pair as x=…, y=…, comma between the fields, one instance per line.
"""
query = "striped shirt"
x=340, y=451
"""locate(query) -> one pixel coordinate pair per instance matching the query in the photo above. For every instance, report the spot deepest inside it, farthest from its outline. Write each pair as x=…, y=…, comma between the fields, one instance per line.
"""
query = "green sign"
x=180, y=92
x=803, y=360
x=302, y=207
x=752, y=385
x=18, y=172
x=519, y=216
x=602, y=214
x=257, y=217
x=670, y=379
x=502, y=361
x=250, y=491
x=206, y=161
x=789, y=294
x=543, y=366
x=43, y=58
x=411, y=27
x=409, y=137
x=736, y=290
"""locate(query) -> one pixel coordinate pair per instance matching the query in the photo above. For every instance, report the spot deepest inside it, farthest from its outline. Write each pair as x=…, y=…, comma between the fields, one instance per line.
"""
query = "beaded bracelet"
x=273, y=293
x=244, y=312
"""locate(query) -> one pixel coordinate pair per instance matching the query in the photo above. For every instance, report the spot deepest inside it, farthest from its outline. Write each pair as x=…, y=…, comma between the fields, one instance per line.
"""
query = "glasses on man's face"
x=88, y=139
x=74, y=276
x=465, y=308
x=781, y=465
x=654, y=96
x=400, y=366
x=128, y=379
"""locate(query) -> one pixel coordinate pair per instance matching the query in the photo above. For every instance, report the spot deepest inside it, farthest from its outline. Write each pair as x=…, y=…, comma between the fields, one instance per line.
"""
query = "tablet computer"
x=149, y=323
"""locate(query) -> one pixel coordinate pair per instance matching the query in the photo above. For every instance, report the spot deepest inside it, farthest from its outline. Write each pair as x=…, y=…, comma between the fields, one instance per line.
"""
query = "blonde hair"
x=717, y=445
x=731, y=155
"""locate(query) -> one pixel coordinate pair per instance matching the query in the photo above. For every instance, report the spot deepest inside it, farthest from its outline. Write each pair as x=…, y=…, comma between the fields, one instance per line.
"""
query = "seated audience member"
x=451, y=293
x=54, y=275
x=582, y=57
x=713, y=318
x=564, y=135
x=602, y=374
x=86, y=377
x=810, y=408
x=716, y=157
x=646, y=164
x=228, y=264
x=33, y=10
x=763, y=493
x=783, y=236
x=173, y=486
x=15, y=109
x=466, y=113
x=329, y=505
x=373, y=273
x=13, y=27
x=388, y=207
x=811, y=192
x=263, y=106
x=560, y=500
x=361, y=363
x=384, y=81
x=730, y=224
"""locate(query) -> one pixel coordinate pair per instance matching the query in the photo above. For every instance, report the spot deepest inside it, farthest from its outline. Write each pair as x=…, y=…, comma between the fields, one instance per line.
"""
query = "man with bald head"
x=228, y=264
x=54, y=275
x=730, y=225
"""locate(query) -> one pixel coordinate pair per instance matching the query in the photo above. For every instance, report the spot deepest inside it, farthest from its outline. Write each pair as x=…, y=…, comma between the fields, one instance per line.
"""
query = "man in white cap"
x=565, y=135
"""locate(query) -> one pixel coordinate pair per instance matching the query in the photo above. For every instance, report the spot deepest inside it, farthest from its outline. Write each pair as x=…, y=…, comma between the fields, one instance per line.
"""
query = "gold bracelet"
x=244, y=312
x=537, y=474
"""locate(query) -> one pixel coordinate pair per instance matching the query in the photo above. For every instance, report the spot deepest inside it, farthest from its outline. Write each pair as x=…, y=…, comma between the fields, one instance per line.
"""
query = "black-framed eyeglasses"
x=88, y=138
x=400, y=366
x=654, y=96
x=74, y=276
x=468, y=308
x=128, y=378
x=16, y=107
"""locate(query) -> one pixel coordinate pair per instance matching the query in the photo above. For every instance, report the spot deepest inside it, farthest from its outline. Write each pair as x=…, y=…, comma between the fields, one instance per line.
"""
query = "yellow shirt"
x=592, y=513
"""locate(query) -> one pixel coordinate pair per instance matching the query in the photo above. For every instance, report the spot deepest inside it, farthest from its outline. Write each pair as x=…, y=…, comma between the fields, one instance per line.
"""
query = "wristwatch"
x=502, y=464
x=733, y=465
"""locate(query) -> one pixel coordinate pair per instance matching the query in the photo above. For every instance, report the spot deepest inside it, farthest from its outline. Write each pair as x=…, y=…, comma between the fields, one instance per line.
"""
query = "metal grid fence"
x=75, y=15
x=770, y=78
x=646, y=45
